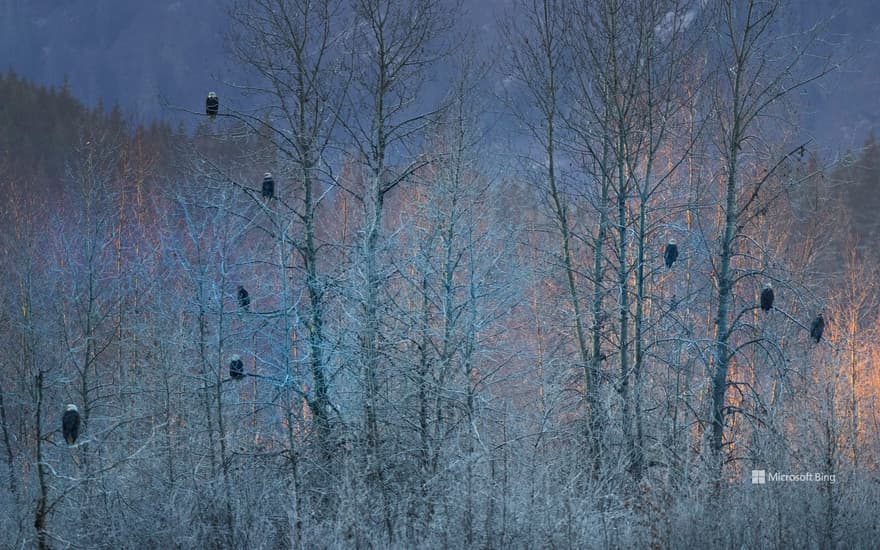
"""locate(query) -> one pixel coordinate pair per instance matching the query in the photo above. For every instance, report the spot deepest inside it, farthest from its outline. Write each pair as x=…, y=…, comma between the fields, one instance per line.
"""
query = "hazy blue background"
x=136, y=53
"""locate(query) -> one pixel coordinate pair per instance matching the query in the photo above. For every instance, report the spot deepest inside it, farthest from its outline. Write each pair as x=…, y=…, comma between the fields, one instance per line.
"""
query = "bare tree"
x=294, y=49
x=391, y=50
x=752, y=84
x=540, y=63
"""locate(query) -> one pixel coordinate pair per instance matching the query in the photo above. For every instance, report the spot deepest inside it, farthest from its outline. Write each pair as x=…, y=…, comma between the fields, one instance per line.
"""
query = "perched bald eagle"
x=244, y=299
x=817, y=328
x=212, y=104
x=70, y=424
x=767, y=297
x=268, y=186
x=236, y=368
x=671, y=253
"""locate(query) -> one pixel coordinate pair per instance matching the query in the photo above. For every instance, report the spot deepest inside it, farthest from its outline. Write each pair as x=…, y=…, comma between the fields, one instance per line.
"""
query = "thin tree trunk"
x=725, y=295
x=637, y=452
x=10, y=457
x=623, y=296
x=588, y=361
x=597, y=426
x=370, y=338
x=42, y=510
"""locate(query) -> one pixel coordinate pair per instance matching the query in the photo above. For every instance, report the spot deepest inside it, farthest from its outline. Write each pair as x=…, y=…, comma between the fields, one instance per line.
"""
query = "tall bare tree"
x=540, y=62
x=752, y=85
x=392, y=50
x=293, y=49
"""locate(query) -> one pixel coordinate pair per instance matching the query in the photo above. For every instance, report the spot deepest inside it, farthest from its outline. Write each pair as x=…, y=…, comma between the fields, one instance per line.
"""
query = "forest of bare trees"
x=460, y=330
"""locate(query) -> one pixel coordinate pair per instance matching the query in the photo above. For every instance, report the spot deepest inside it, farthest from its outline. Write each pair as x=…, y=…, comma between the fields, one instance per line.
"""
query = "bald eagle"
x=268, y=186
x=671, y=253
x=244, y=299
x=212, y=104
x=817, y=328
x=236, y=368
x=70, y=424
x=767, y=297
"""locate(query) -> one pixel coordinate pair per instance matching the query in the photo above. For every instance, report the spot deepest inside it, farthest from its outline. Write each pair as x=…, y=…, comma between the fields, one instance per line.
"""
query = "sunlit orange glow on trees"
x=461, y=329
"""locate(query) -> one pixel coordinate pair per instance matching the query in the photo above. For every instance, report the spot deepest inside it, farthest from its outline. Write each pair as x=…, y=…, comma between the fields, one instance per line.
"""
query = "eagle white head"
x=768, y=285
x=212, y=95
x=267, y=176
x=71, y=407
x=672, y=241
x=235, y=357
